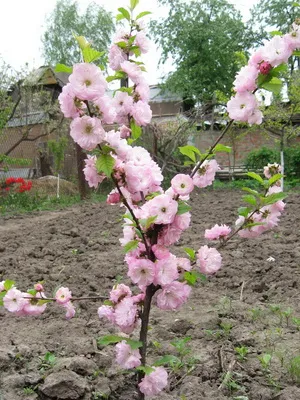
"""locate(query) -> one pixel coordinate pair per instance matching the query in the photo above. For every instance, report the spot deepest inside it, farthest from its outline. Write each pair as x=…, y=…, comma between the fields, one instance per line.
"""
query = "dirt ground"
x=252, y=303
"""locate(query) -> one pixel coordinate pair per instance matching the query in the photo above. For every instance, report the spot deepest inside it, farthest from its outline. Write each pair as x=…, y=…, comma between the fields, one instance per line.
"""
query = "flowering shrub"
x=154, y=219
x=19, y=185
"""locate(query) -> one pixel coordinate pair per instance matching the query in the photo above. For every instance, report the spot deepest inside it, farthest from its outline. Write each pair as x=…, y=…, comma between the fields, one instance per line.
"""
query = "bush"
x=257, y=159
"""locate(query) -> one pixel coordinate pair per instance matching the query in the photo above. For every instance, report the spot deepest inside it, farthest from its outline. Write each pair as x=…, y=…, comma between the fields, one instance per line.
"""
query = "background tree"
x=203, y=39
x=95, y=24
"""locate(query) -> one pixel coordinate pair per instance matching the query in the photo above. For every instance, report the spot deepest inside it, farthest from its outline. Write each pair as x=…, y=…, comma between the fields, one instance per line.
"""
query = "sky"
x=22, y=24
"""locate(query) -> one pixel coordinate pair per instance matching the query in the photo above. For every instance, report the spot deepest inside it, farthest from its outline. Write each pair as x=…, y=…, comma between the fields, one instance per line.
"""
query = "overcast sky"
x=22, y=24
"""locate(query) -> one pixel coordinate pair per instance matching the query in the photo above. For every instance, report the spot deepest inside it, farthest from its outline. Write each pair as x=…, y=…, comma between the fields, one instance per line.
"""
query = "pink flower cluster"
x=244, y=105
x=34, y=302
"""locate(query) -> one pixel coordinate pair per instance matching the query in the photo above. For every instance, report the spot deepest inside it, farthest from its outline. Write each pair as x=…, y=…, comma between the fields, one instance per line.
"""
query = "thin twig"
x=228, y=374
x=242, y=290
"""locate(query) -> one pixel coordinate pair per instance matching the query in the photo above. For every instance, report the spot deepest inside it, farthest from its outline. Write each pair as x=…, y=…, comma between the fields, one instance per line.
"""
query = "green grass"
x=289, y=184
x=20, y=203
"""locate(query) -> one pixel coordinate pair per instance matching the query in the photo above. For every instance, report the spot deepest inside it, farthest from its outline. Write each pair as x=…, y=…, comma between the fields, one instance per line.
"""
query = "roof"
x=32, y=118
x=159, y=95
x=46, y=75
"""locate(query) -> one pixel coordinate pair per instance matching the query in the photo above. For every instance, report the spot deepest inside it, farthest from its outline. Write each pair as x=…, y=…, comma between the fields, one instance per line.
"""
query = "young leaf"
x=190, y=151
x=134, y=344
x=133, y=4
x=190, y=252
x=276, y=33
x=221, y=148
x=124, y=12
x=90, y=55
x=8, y=284
x=142, y=14
x=255, y=176
x=252, y=191
x=273, y=198
x=244, y=211
x=132, y=245
x=108, y=303
x=296, y=53
x=105, y=163
x=146, y=223
x=147, y=370
x=190, y=277
x=119, y=17
x=110, y=339
x=83, y=43
x=136, y=130
x=274, y=85
x=249, y=198
x=274, y=179
x=63, y=68
x=183, y=207
x=167, y=360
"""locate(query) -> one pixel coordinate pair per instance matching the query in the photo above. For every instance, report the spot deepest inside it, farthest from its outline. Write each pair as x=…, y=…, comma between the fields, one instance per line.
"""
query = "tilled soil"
x=252, y=303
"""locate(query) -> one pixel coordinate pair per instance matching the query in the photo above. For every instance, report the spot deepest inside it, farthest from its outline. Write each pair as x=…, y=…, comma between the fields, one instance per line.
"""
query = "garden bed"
x=252, y=304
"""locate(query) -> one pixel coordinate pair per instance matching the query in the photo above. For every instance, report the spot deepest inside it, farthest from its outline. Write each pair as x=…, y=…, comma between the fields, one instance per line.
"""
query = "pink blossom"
x=141, y=272
x=276, y=51
x=166, y=271
x=182, y=221
x=256, y=117
x=70, y=105
x=63, y=295
x=2, y=288
x=206, y=173
x=209, y=260
x=87, y=81
x=217, y=232
x=133, y=71
x=142, y=91
x=119, y=292
x=246, y=79
x=128, y=235
x=172, y=296
x=163, y=207
x=70, y=310
x=90, y=172
x=116, y=57
x=152, y=384
x=272, y=169
x=122, y=103
x=293, y=38
x=256, y=58
x=251, y=232
x=125, y=132
x=183, y=264
x=38, y=287
x=169, y=235
x=265, y=68
x=106, y=111
x=120, y=145
x=241, y=106
x=139, y=298
x=13, y=301
x=87, y=132
x=160, y=252
x=141, y=113
x=127, y=357
x=125, y=314
x=182, y=184
x=113, y=197
x=107, y=312
x=142, y=41
x=31, y=306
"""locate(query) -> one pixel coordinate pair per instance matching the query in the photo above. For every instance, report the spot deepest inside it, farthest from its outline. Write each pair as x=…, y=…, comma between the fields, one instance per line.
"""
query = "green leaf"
x=108, y=303
x=274, y=85
x=296, y=53
x=33, y=292
x=90, y=55
x=118, y=75
x=273, y=198
x=278, y=70
x=190, y=252
x=244, y=211
x=221, y=148
x=136, y=130
x=249, y=198
x=296, y=4
x=183, y=207
x=122, y=45
x=105, y=163
x=132, y=245
x=274, y=179
x=142, y=14
x=276, y=33
x=167, y=360
x=190, y=151
x=83, y=43
x=119, y=17
x=146, y=223
x=109, y=339
x=146, y=369
x=190, y=277
x=255, y=176
x=133, y=4
x=134, y=344
x=252, y=191
x=8, y=284
x=63, y=68
x=125, y=13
